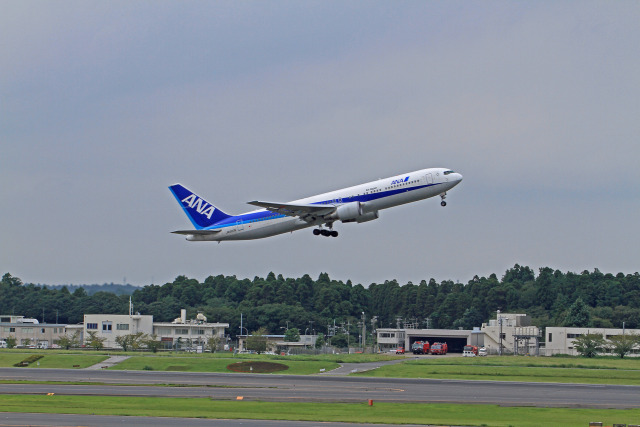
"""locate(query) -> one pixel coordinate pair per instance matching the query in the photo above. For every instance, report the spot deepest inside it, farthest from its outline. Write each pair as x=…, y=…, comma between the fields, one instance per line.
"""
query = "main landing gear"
x=326, y=233
x=443, y=196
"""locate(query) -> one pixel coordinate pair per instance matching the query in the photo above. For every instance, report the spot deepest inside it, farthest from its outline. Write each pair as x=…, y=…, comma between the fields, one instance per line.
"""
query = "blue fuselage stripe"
x=268, y=215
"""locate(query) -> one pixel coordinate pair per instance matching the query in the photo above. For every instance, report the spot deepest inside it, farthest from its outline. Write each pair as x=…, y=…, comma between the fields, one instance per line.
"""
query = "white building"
x=29, y=332
x=179, y=334
x=390, y=339
x=511, y=333
x=560, y=340
x=183, y=333
x=110, y=326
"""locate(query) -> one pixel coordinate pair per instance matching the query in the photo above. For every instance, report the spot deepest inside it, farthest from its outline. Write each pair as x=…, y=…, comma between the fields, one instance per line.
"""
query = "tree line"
x=333, y=307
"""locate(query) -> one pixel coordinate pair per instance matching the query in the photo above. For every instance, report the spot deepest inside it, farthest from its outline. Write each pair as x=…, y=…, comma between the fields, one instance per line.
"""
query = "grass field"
x=604, y=362
x=52, y=360
x=201, y=364
x=382, y=413
x=508, y=368
x=586, y=371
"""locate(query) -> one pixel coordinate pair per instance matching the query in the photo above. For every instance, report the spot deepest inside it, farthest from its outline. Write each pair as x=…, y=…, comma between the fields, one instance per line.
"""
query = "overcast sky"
x=105, y=104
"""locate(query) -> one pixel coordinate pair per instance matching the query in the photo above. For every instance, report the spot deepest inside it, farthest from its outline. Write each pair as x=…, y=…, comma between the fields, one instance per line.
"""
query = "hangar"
x=508, y=333
x=456, y=339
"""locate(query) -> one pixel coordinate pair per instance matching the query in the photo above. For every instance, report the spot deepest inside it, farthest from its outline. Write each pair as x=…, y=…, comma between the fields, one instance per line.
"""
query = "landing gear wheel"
x=334, y=233
x=443, y=196
x=316, y=232
x=325, y=233
x=443, y=203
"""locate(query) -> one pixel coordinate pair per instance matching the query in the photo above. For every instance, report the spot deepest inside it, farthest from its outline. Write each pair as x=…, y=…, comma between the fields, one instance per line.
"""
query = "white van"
x=3, y=344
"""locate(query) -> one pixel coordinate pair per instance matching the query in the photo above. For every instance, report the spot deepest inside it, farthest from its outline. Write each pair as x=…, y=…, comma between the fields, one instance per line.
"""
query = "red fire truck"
x=439, y=348
x=420, y=347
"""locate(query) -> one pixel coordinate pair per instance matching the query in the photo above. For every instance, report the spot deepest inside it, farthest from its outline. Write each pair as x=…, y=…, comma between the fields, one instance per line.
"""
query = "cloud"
x=107, y=104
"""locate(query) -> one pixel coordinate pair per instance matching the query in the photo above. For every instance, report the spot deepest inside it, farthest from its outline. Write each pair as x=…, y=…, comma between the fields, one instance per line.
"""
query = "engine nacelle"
x=369, y=216
x=352, y=212
x=347, y=212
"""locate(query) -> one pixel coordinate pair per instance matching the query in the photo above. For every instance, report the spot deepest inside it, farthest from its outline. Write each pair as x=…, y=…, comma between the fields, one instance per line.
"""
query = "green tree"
x=151, y=342
x=339, y=341
x=623, y=344
x=93, y=340
x=589, y=345
x=257, y=341
x=11, y=340
x=212, y=343
x=578, y=315
x=470, y=318
x=292, y=335
x=130, y=341
x=68, y=341
x=320, y=341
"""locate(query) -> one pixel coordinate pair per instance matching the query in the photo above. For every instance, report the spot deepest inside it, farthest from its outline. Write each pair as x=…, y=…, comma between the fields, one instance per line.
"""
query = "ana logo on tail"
x=201, y=206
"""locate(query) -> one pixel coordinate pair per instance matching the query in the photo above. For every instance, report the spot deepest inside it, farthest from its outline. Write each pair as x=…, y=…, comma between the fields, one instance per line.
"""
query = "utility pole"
x=348, y=336
x=364, y=331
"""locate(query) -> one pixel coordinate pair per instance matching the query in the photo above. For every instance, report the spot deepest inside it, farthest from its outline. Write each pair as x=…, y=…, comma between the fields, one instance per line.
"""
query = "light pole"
x=500, y=336
x=241, y=328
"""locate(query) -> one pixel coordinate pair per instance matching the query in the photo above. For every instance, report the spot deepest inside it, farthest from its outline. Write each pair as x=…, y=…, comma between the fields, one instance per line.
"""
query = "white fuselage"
x=372, y=196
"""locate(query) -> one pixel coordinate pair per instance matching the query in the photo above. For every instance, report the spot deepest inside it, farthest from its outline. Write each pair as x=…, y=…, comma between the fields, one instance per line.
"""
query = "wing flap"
x=305, y=212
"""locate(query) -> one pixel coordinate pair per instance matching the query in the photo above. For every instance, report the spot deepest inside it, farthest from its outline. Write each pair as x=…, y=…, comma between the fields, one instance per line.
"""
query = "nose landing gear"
x=443, y=196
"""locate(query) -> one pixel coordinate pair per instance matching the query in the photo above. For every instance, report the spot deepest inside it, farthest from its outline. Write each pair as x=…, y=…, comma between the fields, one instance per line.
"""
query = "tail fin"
x=201, y=213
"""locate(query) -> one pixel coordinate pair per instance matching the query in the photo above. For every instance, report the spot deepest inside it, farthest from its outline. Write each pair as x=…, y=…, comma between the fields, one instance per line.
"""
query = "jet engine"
x=352, y=212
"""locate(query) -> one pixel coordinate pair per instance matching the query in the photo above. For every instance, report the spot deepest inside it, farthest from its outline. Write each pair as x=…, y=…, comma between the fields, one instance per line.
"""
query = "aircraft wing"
x=305, y=212
x=197, y=232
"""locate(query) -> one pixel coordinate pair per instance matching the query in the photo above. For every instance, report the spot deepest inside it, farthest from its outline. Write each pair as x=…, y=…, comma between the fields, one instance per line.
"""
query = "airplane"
x=360, y=203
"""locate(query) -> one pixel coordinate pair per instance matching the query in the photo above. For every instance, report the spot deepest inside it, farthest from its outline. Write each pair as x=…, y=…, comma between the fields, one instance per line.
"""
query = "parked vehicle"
x=400, y=350
x=420, y=347
x=472, y=349
x=3, y=344
x=439, y=348
x=482, y=351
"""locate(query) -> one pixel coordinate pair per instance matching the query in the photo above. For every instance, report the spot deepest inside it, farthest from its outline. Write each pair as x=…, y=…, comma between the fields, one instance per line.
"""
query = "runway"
x=65, y=420
x=294, y=388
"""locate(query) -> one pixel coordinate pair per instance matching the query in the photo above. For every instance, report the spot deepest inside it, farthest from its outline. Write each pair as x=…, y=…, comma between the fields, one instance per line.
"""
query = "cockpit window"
x=448, y=172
